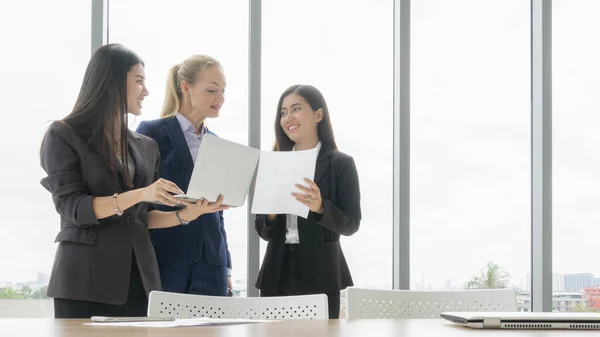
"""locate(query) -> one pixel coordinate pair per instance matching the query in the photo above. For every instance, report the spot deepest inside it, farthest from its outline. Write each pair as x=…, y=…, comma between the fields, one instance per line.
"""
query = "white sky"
x=470, y=118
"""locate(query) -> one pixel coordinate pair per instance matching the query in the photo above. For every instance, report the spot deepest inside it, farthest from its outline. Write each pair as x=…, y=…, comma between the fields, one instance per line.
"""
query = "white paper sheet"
x=182, y=322
x=276, y=179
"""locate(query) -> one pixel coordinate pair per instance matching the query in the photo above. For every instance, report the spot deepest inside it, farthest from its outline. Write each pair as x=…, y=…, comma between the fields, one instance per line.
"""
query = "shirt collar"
x=187, y=126
x=318, y=147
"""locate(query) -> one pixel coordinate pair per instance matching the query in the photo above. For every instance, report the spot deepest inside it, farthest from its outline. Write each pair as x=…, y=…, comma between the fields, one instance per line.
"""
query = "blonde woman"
x=193, y=258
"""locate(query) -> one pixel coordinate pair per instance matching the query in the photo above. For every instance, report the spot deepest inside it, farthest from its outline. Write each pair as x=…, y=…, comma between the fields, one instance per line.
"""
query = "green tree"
x=26, y=291
x=41, y=293
x=492, y=277
x=581, y=307
x=10, y=293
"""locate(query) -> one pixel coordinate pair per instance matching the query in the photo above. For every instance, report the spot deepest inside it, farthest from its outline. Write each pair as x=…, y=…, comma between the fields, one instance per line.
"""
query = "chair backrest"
x=165, y=304
x=373, y=304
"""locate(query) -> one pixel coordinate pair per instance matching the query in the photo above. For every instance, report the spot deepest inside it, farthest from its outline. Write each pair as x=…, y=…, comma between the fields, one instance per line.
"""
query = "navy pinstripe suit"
x=192, y=259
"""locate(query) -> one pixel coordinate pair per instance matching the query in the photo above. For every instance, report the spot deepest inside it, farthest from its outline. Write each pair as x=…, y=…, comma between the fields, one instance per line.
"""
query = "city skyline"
x=423, y=283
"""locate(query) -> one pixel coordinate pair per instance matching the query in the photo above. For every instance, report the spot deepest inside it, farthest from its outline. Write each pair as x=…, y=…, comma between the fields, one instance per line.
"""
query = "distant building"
x=239, y=287
x=558, y=283
x=593, y=297
x=566, y=301
x=578, y=282
x=560, y=301
x=42, y=279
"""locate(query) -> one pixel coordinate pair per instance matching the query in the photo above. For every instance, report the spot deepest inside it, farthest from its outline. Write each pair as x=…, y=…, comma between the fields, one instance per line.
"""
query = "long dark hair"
x=101, y=106
x=315, y=99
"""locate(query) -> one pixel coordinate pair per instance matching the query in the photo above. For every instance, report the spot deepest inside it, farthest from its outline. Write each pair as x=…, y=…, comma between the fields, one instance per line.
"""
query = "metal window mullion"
x=254, y=95
x=99, y=31
x=401, y=148
x=541, y=155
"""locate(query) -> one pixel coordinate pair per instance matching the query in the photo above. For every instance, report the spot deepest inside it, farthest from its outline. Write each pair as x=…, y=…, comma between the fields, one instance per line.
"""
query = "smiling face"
x=136, y=89
x=207, y=92
x=298, y=120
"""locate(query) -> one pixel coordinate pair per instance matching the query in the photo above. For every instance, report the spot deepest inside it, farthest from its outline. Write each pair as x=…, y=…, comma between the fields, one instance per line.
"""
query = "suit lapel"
x=135, y=146
x=322, y=164
x=173, y=131
x=94, y=150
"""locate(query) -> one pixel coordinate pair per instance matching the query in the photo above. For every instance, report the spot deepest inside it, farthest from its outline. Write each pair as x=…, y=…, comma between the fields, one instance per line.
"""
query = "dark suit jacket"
x=93, y=259
x=184, y=244
x=323, y=266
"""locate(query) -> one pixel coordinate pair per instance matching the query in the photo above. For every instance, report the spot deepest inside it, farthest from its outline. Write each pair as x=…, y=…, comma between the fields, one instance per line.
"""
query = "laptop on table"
x=525, y=320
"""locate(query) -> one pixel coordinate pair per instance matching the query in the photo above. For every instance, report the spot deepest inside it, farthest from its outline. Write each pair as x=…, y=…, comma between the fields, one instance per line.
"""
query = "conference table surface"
x=23, y=327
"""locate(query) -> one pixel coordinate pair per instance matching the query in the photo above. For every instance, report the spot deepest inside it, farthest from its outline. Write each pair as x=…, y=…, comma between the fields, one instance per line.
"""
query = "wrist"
x=118, y=211
x=188, y=214
x=138, y=195
x=182, y=217
x=321, y=209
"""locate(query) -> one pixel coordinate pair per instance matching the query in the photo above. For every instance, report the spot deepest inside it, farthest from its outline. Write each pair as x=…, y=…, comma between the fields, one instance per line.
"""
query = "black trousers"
x=291, y=282
x=136, y=305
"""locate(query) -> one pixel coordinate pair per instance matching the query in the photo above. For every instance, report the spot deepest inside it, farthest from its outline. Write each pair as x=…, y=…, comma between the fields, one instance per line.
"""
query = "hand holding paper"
x=276, y=180
x=311, y=196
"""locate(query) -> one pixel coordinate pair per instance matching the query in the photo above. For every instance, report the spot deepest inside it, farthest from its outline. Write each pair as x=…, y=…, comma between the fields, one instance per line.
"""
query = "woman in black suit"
x=102, y=177
x=304, y=256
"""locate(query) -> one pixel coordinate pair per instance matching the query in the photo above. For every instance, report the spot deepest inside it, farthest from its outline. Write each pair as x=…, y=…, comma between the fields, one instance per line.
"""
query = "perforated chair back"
x=375, y=303
x=166, y=304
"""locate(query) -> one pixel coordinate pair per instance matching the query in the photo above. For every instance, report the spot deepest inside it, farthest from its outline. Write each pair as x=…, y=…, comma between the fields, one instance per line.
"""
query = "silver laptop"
x=222, y=167
x=525, y=320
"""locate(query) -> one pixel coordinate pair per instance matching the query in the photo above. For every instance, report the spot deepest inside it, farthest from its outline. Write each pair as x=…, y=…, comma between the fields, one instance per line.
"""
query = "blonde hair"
x=185, y=71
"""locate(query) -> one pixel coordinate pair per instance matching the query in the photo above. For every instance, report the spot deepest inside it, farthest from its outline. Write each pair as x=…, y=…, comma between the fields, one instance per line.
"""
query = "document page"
x=276, y=179
x=182, y=322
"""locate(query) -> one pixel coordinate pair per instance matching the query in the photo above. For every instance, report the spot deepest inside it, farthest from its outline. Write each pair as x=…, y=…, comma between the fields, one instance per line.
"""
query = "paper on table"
x=182, y=322
x=278, y=172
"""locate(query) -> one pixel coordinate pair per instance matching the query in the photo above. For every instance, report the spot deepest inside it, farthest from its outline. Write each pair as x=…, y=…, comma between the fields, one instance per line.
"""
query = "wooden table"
x=289, y=328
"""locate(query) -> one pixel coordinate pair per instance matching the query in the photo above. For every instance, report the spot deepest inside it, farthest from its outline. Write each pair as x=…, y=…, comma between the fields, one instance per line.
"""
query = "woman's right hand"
x=160, y=191
x=194, y=210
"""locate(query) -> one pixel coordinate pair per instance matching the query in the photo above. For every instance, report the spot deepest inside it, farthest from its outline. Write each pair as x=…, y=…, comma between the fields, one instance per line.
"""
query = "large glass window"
x=164, y=33
x=41, y=67
x=345, y=49
x=470, y=145
x=576, y=162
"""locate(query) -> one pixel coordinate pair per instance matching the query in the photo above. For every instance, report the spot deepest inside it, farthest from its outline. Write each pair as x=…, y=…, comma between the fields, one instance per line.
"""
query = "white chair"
x=373, y=304
x=166, y=304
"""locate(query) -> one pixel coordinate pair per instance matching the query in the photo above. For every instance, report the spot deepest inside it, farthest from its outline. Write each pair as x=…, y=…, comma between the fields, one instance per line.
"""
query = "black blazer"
x=323, y=266
x=93, y=258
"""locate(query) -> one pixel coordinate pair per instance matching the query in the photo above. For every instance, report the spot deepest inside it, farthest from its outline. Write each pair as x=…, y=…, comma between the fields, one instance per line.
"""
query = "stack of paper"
x=183, y=322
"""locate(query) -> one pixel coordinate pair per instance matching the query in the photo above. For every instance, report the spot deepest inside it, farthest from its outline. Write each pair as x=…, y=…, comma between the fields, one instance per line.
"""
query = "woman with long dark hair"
x=304, y=256
x=103, y=177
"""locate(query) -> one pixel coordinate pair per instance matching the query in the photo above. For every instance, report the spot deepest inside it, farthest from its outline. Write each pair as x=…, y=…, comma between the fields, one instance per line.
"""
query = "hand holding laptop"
x=195, y=209
x=160, y=192
x=222, y=167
